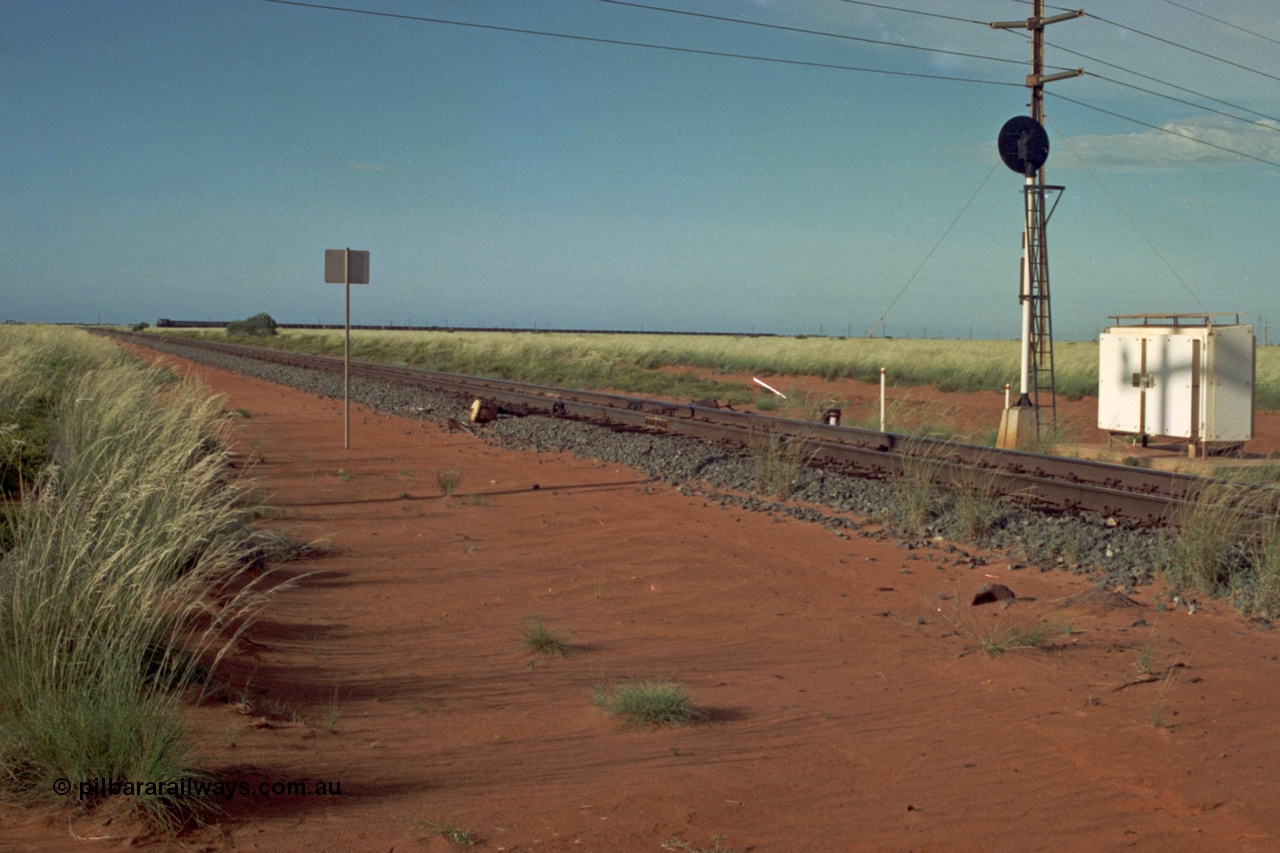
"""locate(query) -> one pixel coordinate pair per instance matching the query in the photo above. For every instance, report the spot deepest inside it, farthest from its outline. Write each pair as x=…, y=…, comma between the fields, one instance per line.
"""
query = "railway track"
x=1055, y=483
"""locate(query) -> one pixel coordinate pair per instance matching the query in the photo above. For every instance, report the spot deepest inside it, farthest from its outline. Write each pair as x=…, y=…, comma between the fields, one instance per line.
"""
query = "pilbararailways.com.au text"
x=199, y=788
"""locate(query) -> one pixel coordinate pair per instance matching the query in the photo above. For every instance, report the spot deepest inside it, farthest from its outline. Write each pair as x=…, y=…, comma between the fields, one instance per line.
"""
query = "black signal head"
x=1023, y=144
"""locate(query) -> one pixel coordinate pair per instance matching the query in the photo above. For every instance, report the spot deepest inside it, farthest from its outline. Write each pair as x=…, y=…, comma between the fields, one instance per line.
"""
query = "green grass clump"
x=675, y=842
x=451, y=833
x=936, y=497
x=540, y=639
x=1226, y=543
x=776, y=464
x=1001, y=640
x=644, y=703
x=36, y=363
x=449, y=479
x=122, y=581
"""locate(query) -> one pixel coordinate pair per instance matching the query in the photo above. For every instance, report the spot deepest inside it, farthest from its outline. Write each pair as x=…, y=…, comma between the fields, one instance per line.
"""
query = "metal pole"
x=1024, y=296
x=346, y=352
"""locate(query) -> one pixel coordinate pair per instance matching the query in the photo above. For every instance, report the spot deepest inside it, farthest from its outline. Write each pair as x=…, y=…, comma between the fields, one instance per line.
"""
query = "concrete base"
x=1018, y=428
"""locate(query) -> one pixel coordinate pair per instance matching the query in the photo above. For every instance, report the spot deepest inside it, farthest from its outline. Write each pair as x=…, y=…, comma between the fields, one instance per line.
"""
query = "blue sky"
x=194, y=158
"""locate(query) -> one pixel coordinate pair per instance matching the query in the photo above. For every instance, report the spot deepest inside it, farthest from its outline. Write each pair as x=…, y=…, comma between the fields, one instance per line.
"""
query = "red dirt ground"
x=850, y=706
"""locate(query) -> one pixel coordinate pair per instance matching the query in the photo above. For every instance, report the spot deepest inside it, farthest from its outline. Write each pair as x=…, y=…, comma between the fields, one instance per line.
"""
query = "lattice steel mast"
x=1037, y=371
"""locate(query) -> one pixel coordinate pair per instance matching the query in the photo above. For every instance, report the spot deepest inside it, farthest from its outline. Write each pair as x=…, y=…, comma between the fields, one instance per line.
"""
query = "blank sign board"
x=356, y=270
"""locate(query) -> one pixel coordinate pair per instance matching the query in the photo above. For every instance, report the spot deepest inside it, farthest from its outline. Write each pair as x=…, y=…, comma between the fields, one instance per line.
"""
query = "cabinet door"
x=1171, y=364
x=1119, y=391
x=1229, y=385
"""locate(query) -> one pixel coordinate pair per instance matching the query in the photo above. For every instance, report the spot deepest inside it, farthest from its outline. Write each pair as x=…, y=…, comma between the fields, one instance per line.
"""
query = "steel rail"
x=1143, y=495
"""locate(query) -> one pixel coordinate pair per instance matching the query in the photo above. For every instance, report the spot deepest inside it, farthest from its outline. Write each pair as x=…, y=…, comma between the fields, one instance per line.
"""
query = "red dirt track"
x=849, y=704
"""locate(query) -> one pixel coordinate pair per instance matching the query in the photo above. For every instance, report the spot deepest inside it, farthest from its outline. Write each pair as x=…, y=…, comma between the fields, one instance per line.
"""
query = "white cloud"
x=1174, y=146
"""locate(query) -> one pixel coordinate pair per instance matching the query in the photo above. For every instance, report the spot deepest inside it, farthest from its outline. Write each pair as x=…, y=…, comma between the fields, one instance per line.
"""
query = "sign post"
x=348, y=268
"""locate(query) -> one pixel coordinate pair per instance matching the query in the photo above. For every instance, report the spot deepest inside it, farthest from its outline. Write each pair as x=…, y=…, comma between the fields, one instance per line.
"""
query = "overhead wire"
x=822, y=33
x=1182, y=6
x=1134, y=87
x=1185, y=136
x=1272, y=127
x=1171, y=43
x=647, y=45
x=1182, y=135
x=1224, y=23
x=950, y=78
x=1151, y=78
x=920, y=12
x=904, y=287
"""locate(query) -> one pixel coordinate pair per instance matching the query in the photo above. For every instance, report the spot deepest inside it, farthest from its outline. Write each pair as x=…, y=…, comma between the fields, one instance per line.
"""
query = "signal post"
x=1024, y=148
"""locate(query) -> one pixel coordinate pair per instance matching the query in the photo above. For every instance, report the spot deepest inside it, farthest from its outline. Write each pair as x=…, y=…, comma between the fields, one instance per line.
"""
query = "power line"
x=1164, y=96
x=813, y=32
x=1154, y=80
x=1182, y=47
x=623, y=43
x=934, y=249
x=1186, y=136
x=1271, y=127
x=1224, y=23
x=755, y=58
x=916, y=12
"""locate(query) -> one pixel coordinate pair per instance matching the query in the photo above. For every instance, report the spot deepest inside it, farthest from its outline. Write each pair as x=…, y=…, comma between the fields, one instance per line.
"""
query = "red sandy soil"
x=849, y=704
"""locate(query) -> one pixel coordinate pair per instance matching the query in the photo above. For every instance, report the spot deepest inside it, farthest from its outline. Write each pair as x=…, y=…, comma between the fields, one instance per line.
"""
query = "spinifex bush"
x=35, y=363
x=123, y=582
x=776, y=463
x=540, y=639
x=449, y=479
x=645, y=703
x=1227, y=543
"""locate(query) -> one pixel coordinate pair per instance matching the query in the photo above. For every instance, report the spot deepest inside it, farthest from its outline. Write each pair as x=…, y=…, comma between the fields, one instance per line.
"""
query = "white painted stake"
x=882, y=399
x=346, y=352
x=1006, y=395
x=770, y=387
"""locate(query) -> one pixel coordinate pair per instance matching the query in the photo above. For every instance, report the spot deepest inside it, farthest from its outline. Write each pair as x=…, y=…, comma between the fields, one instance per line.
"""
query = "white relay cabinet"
x=1185, y=377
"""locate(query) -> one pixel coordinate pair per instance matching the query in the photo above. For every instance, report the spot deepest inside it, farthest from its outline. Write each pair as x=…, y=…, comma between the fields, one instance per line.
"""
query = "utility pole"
x=1020, y=422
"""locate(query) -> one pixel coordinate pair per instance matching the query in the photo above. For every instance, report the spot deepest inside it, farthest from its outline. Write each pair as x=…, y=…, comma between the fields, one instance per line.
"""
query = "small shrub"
x=675, y=842
x=1002, y=640
x=541, y=640
x=332, y=712
x=649, y=703
x=1212, y=548
x=258, y=326
x=1143, y=662
x=776, y=463
x=449, y=480
x=447, y=831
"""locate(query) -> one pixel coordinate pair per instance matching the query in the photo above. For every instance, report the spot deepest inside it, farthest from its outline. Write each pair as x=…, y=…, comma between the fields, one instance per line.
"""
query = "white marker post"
x=882, y=399
x=770, y=387
x=346, y=267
